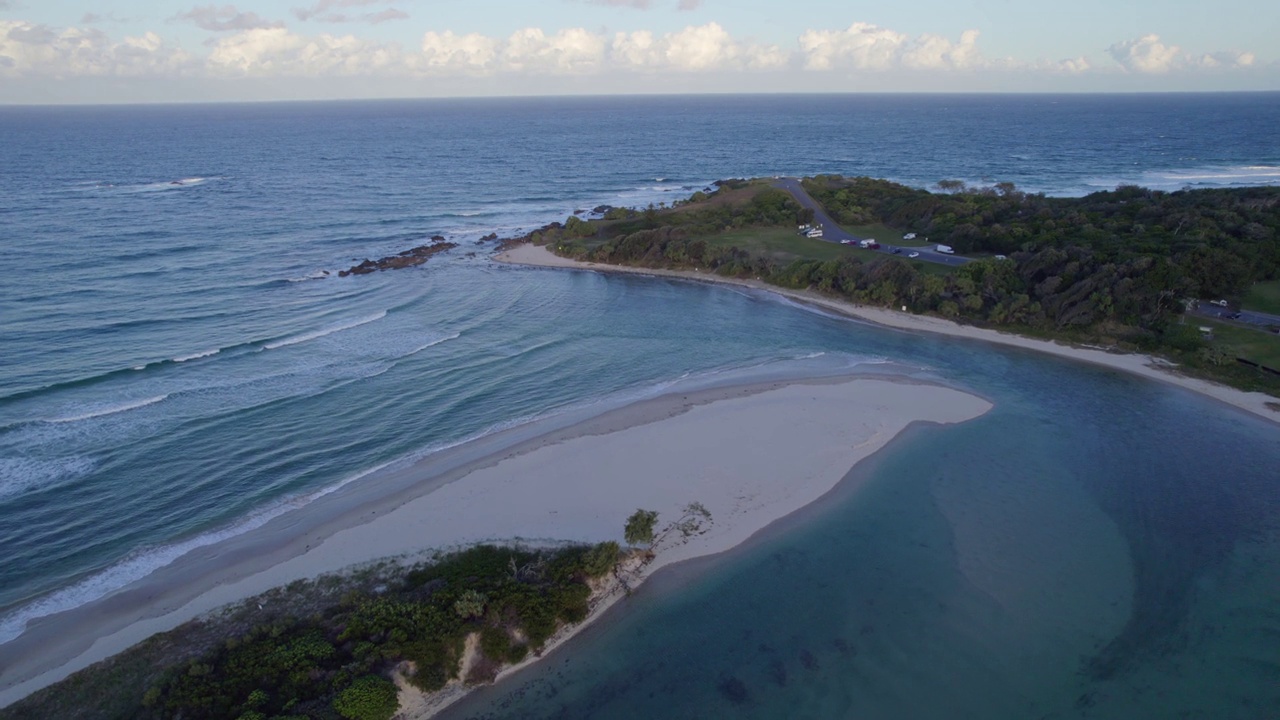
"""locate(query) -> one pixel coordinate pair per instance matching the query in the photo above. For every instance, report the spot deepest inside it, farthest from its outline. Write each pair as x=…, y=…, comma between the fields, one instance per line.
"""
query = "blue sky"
x=162, y=50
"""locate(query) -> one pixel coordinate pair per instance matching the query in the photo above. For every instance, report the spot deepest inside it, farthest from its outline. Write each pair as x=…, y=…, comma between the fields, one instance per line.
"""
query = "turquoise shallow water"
x=175, y=368
x=1095, y=547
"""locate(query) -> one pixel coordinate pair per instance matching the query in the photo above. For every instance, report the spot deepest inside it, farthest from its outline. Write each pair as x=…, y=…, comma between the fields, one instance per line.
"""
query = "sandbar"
x=751, y=454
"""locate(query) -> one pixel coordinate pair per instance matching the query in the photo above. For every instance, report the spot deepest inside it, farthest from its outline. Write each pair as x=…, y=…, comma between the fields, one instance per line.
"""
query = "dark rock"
x=408, y=258
x=437, y=238
x=601, y=209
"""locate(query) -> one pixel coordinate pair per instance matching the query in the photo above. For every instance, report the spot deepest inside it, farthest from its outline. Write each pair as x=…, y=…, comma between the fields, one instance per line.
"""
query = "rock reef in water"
x=408, y=258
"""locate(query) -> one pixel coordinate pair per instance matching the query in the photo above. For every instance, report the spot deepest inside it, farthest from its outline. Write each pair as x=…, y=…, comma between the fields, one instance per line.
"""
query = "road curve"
x=831, y=232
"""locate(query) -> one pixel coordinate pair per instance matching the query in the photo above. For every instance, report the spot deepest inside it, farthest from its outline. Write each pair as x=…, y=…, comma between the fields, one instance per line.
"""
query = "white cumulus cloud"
x=278, y=52
x=29, y=49
x=446, y=51
x=573, y=50
x=1146, y=54
x=1226, y=59
x=865, y=46
x=695, y=48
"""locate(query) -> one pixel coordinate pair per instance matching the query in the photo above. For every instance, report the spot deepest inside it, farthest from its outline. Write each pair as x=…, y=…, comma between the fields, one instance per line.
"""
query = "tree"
x=639, y=529
x=369, y=698
x=600, y=559
x=470, y=604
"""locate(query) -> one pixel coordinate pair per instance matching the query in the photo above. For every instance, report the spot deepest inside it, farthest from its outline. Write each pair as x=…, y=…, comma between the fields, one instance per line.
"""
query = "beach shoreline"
x=534, y=483
x=1256, y=403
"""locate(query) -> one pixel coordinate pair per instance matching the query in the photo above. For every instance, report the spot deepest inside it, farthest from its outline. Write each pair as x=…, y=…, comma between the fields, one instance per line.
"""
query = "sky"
x=140, y=51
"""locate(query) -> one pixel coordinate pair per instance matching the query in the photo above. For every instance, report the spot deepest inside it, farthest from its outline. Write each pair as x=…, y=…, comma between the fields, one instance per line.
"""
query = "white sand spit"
x=750, y=455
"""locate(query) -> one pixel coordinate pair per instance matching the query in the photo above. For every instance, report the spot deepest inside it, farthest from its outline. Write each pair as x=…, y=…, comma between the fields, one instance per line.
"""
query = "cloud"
x=27, y=49
x=323, y=11
x=695, y=48
x=224, y=18
x=1145, y=54
x=1067, y=66
x=689, y=5
x=637, y=4
x=574, y=50
x=96, y=19
x=263, y=52
x=864, y=46
x=694, y=56
x=445, y=51
x=386, y=16
x=1149, y=55
x=1226, y=59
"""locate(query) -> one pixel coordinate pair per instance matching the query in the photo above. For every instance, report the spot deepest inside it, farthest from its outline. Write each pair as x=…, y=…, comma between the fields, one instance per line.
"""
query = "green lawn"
x=882, y=233
x=1264, y=297
x=1259, y=346
x=785, y=245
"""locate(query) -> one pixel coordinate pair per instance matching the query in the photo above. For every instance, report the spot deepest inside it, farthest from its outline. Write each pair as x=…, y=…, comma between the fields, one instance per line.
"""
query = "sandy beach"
x=1137, y=364
x=750, y=454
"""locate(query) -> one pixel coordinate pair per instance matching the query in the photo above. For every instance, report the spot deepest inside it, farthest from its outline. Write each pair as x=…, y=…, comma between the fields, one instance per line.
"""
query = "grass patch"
x=1259, y=346
x=1264, y=297
x=886, y=235
x=785, y=245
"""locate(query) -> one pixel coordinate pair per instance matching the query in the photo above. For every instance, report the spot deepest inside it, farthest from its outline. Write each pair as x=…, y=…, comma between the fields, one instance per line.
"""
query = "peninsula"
x=1163, y=277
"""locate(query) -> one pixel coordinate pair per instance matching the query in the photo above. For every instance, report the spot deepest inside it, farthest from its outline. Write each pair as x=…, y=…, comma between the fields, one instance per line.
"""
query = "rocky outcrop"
x=408, y=258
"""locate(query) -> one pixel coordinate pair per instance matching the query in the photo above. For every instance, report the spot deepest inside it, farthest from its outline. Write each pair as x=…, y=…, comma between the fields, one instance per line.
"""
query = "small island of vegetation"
x=1118, y=269
x=330, y=648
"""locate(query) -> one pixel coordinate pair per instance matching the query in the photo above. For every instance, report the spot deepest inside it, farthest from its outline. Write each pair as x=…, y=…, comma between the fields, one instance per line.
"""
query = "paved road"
x=831, y=232
x=1247, y=317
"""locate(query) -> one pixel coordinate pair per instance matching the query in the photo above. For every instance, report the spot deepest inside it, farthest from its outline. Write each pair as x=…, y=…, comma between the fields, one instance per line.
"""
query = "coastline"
x=724, y=447
x=1134, y=363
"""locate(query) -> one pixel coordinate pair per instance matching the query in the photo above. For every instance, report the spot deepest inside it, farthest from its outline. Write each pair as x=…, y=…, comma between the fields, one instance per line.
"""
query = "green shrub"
x=369, y=698
x=600, y=559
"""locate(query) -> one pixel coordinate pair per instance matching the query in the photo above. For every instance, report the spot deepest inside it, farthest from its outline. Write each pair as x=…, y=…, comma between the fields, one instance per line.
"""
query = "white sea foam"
x=101, y=410
x=131, y=569
x=326, y=331
x=23, y=474
x=197, y=356
x=433, y=343
x=1196, y=177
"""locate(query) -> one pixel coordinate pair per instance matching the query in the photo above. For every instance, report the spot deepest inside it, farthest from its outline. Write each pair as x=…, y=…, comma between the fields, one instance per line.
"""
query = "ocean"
x=176, y=368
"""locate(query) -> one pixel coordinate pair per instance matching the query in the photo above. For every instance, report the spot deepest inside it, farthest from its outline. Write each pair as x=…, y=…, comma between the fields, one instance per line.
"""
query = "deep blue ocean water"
x=175, y=368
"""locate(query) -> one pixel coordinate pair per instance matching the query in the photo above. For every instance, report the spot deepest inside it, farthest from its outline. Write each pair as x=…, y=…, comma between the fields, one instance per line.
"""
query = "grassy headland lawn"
x=1263, y=297
x=1246, y=342
x=1111, y=269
